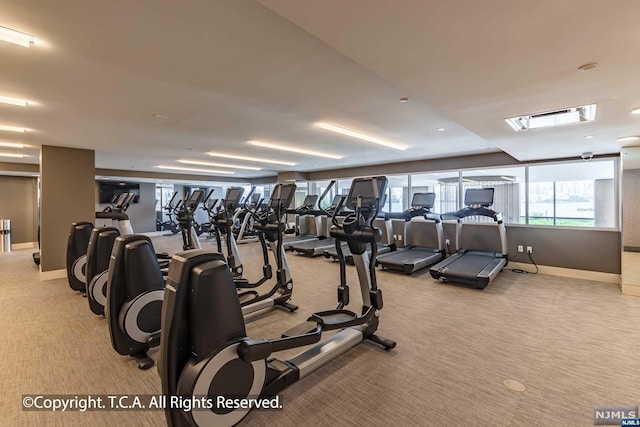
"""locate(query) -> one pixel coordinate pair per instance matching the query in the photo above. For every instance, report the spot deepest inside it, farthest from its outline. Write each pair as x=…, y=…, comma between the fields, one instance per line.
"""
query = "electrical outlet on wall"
x=529, y=249
x=520, y=248
x=447, y=242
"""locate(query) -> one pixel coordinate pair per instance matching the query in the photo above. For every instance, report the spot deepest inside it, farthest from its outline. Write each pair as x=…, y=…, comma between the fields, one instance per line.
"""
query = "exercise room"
x=319, y=213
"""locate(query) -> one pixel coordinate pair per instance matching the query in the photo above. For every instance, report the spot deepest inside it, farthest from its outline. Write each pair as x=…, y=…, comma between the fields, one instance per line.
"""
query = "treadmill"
x=425, y=235
x=317, y=247
x=307, y=225
x=474, y=266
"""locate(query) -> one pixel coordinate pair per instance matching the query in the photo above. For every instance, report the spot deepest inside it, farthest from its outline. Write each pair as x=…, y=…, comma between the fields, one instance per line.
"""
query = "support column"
x=67, y=195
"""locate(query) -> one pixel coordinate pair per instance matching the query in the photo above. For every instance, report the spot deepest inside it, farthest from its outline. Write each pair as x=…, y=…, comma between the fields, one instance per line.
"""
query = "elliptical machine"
x=185, y=219
x=80, y=233
x=101, y=242
x=135, y=288
x=269, y=228
x=170, y=224
x=204, y=349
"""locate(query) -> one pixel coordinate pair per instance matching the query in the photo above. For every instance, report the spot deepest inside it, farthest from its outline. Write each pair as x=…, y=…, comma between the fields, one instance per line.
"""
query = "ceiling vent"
x=548, y=119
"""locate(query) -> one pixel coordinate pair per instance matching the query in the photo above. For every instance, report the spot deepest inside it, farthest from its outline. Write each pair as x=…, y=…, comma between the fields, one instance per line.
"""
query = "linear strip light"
x=628, y=138
x=13, y=101
x=507, y=178
x=249, y=159
x=16, y=37
x=11, y=145
x=12, y=128
x=177, y=168
x=352, y=133
x=220, y=165
x=19, y=156
x=635, y=111
x=294, y=150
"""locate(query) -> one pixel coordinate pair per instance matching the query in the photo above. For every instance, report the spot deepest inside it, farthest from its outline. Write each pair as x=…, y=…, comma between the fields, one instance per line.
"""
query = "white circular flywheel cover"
x=79, y=268
x=131, y=316
x=99, y=291
x=201, y=387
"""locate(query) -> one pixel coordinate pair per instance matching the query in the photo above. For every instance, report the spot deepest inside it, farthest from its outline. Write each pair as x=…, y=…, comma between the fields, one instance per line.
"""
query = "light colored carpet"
x=572, y=343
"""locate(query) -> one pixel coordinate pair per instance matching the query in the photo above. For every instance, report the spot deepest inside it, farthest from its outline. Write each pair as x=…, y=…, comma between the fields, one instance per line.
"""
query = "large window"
x=579, y=194
x=397, y=194
x=444, y=184
x=301, y=192
x=163, y=196
x=509, y=190
x=344, y=185
x=562, y=194
x=318, y=187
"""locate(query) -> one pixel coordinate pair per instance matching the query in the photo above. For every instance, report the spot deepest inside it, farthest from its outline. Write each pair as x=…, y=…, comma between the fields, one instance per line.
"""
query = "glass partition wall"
x=509, y=195
x=561, y=194
x=444, y=184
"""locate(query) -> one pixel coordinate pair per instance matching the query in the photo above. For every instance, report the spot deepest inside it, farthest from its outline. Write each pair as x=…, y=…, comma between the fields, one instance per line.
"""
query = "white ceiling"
x=225, y=72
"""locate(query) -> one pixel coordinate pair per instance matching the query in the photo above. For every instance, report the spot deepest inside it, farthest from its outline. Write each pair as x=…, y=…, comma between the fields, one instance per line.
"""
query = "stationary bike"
x=204, y=349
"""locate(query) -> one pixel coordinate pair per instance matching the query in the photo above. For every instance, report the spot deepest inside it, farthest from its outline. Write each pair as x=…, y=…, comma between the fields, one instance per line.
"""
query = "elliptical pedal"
x=302, y=329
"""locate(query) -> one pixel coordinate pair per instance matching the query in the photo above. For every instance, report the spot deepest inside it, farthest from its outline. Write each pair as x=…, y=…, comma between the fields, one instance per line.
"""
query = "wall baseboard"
x=25, y=245
x=569, y=272
x=53, y=274
x=633, y=290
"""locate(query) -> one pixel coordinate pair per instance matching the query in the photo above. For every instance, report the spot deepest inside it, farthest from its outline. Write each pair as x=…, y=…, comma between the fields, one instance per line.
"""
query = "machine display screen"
x=478, y=196
x=423, y=200
x=286, y=191
x=310, y=200
x=194, y=199
x=364, y=187
x=336, y=200
x=233, y=196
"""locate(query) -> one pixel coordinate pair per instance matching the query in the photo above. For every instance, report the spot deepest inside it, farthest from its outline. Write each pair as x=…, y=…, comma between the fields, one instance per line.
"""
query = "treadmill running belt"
x=468, y=266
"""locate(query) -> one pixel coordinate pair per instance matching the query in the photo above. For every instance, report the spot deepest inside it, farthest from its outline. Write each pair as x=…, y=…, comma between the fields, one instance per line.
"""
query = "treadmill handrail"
x=476, y=211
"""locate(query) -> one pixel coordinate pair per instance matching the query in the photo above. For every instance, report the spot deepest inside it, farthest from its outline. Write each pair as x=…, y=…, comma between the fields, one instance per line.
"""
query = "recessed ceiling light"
x=635, y=111
x=12, y=155
x=16, y=37
x=441, y=129
x=220, y=165
x=587, y=67
x=354, y=134
x=547, y=119
x=11, y=145
x=405, y=99
x=628, y=138
x=12, y=128
x=177, y=168
x=294, y=150
x=13, y=101
x=588, y=136
x=249, y=159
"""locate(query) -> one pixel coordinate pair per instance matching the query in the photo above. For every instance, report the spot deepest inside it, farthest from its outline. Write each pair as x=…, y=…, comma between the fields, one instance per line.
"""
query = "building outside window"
x=573, y=194
x=397, y=194
x=509, y=195
x=444, y=184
